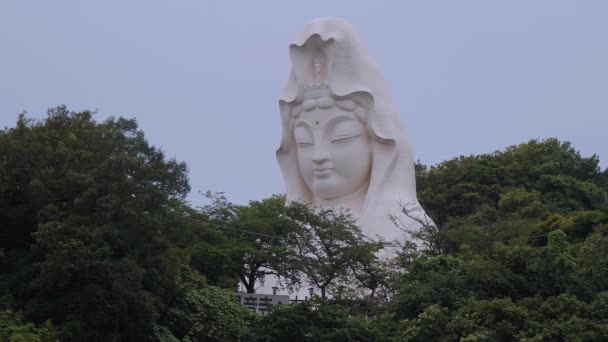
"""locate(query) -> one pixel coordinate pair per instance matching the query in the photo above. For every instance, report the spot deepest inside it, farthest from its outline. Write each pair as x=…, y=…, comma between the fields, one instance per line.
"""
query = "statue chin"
x=344, y=144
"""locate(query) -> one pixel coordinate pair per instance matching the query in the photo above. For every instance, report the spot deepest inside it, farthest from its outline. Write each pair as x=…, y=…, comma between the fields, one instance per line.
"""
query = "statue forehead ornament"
x=317, y=92
x=319, y=87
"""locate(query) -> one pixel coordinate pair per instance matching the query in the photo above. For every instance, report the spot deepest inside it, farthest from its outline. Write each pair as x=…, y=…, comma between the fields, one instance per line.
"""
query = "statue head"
x=343, y=143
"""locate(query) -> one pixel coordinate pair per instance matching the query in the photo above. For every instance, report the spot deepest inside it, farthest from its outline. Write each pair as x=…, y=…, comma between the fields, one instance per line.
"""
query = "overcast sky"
x=202, y=78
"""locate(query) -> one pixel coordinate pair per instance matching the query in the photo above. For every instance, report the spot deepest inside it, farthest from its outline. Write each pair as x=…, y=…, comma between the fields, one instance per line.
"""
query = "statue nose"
x=319, y=158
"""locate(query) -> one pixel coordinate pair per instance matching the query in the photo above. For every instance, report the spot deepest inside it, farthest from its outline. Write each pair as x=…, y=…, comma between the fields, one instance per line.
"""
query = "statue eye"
x=345, y=129
x=303, y=140
x=304, y=143
x=303, y=136
x=344, y=138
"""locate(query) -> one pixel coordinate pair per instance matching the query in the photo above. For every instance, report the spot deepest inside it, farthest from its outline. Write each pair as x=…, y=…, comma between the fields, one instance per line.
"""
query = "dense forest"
x=98, y=243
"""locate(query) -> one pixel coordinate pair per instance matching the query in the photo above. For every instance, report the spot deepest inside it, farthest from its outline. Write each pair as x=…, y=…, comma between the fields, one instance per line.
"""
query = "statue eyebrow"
x=340, y=118
x=302, y=123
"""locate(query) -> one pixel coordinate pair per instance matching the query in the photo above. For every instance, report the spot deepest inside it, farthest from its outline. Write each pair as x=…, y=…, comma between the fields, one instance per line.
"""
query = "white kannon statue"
x=344, y=144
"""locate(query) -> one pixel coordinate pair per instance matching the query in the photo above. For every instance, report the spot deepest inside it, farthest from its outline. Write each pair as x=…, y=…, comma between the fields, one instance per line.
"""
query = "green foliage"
x=12, y=328
x=524, y=191
x=521, y=293
x=313, y=321
x=448, y=281
x=97, y=243
x=258, y=240
x=526, y=181
x=592, y=266
x=85, y=207
x=207, y=314
x=211, y=251
x=269, y=251
x=328, y=245
x=520, y=203
x=427, y=326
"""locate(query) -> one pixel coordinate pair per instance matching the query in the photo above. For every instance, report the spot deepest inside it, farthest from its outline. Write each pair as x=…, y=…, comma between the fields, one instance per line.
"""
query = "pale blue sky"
x=203, y=77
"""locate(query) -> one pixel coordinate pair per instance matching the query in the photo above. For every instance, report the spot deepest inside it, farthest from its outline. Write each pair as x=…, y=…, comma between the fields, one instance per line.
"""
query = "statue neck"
x=353, y=201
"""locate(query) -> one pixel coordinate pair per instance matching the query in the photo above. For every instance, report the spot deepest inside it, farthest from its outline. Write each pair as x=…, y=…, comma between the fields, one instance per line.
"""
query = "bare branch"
x=426, y=231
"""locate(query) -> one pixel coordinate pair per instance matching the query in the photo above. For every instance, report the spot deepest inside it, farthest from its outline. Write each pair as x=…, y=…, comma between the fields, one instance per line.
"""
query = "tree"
x=270, y=249
x=84, y=207
x=457, y=187
x=314, y=320
x=373, y=273
x=428, y=326
x=592, y=266
x=209, y=249
x=427, y=233
x=98, y=243
x=12, y=328
x=327, y=244
x=205, y=313
x=260, y=237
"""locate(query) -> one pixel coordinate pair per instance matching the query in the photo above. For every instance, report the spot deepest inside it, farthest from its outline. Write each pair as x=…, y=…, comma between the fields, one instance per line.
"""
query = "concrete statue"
x=344, y=144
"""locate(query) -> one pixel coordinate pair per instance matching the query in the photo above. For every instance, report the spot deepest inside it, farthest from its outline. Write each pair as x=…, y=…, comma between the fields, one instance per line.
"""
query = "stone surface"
x=344, y=144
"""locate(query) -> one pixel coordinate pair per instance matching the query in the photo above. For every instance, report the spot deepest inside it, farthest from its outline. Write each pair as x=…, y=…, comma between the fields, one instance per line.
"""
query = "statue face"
x=334, y=151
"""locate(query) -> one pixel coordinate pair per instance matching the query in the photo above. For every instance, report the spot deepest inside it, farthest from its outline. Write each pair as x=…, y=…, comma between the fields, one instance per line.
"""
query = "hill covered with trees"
x=97, y=243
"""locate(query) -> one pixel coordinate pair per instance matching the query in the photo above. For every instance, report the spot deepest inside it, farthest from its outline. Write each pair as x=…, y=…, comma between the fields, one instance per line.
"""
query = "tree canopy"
x=98, y=243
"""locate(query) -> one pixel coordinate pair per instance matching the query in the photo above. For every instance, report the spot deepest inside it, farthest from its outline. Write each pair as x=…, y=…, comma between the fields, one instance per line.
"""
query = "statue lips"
x=322, y=173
